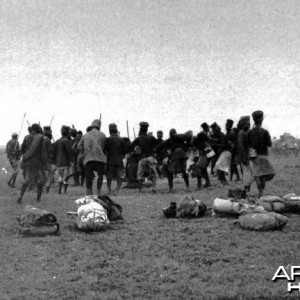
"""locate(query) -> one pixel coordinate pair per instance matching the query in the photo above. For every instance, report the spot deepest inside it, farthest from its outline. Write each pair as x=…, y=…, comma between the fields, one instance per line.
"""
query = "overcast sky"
x=173, y=63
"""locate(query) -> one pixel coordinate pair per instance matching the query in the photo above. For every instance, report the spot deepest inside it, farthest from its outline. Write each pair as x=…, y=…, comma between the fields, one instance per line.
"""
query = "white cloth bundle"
x=228, y=207
x=86, y=199
x=92, y=215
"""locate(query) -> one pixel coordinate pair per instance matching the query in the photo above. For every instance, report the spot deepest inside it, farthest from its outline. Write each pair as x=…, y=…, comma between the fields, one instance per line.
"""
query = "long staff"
x=20, y=129
x=50, y=126
x=127, y=129
x=51, y=121
x=100, y=118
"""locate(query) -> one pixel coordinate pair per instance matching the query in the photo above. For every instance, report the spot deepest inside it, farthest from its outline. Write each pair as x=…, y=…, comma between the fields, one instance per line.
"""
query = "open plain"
x=147, y=256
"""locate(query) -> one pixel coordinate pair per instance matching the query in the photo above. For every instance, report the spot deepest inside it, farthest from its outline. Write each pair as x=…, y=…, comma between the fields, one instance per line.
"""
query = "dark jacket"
x=35, y=155
x=13, y=149
x=49, y=149
x=115, y=150
x=259, y=139
x=177, y=145
x=220, y=143
x=26, y=142
x=62, y=152
x=147, y=145
x=202, y=141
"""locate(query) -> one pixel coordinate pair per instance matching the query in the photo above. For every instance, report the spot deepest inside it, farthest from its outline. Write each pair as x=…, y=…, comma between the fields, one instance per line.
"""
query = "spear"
x=127, y=129
x=51, y=121
x=20, y=129
x=100, y=118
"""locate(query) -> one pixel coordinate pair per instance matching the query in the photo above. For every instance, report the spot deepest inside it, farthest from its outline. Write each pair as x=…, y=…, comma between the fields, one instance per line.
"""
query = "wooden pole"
x=134, y=133
x=51, y=121
x=127, y=129
x=20, y=130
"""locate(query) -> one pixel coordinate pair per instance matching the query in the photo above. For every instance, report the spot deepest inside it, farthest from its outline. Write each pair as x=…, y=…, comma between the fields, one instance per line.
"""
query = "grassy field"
x=147, y=256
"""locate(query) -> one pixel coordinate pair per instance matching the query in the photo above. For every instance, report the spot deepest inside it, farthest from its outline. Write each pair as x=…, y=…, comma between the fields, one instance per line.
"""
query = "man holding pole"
x=13, y=155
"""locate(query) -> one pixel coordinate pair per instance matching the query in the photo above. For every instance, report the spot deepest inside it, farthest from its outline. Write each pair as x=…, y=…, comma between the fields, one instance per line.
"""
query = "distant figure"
x=178, y=145
x=13, y=155
x=33, y=163
x=74, y=166
x=50, y=167
x=147, y=169
x=196, y=172
x=144, y=144
x=115, y=150
x=243, y=152
x=78, y=163
x=222, y=148
x=232, y=136
x=91, y=147
x=26, y=141
x=214, y=140
x=259, y=141
x=62, y=153
x=202, y=143
x=160, y=155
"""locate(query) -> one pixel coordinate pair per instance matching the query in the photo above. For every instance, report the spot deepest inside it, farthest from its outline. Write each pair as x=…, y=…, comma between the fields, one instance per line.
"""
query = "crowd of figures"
x=240, y=151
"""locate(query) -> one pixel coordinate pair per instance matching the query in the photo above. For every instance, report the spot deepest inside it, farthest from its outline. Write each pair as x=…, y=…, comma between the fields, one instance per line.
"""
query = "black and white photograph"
x=150, y=149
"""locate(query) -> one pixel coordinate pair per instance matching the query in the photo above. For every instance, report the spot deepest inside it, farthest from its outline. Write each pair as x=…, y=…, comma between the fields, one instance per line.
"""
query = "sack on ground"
x=113, y=209
x=226, y=207
x=292, y=203
x=92, y=217
x=222, y=207
x=36, y=217
x=170, y=211
x=272, y=203
x=188, y=207
x=262, y=221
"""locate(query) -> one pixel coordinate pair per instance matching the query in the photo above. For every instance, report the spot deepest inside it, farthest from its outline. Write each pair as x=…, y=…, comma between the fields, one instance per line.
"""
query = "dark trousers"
x=89, y=169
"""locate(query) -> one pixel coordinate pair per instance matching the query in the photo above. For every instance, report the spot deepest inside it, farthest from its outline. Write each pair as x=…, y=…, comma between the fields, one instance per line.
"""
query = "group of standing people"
x=81, y=155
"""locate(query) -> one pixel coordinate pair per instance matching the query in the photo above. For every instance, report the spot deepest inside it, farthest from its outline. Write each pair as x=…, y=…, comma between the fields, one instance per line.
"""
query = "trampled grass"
x=147, y=256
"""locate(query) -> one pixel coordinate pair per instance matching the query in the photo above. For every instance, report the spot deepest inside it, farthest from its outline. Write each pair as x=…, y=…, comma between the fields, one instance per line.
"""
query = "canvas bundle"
x=226, y=207
x=231, y=207
x=92, y=217
x=272, y=203
x=188, y=207
x=96, y=212
x=37, y=218
x=292, y=202
x=262, y=221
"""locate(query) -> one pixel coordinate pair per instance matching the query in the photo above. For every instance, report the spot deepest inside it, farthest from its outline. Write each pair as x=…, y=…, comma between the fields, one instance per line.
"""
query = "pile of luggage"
x=266, y=213
x=95, y=213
